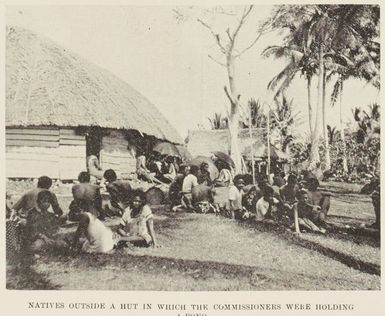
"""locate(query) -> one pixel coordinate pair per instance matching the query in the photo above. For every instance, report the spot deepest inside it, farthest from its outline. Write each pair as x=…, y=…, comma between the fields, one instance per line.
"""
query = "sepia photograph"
x=193, y=148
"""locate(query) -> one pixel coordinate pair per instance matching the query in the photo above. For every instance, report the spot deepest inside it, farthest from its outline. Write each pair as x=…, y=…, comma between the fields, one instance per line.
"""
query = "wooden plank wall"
x=115, y=155
x=32, y=152
x=72, y=153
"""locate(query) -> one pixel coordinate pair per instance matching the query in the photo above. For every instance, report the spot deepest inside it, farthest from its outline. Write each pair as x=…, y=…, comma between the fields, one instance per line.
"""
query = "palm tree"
x=258, y=118
x=321, y=30
x=283, y=119
x=217, y=122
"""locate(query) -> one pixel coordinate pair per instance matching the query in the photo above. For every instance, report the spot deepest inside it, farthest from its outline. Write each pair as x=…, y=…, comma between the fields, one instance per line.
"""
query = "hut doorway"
x=94, y=142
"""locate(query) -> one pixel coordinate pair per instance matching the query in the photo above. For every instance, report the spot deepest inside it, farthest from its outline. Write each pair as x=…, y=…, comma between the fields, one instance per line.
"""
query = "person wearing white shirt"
x=235, y=198
x=265, y=204
x=190, y=181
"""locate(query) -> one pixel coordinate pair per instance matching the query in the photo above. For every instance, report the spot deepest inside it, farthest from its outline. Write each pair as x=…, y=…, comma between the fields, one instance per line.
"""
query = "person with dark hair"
x=316, y=197
x=288, y=193
x=305, y=214
x=142, y=170
x=204, y=174
x=169, y=169
x=29, y=199
x=41, y=226
x=190, y=181
x=234, y=206
x=175, y=191
x=278, y=179
x=119, y=191
x=264, y=206
x=225, y=178
x=86, y=196
x=137, y=224
x=92, y=236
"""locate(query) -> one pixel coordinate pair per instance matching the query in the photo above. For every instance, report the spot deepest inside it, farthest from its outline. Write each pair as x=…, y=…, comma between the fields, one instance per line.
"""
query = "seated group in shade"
x=40, y=217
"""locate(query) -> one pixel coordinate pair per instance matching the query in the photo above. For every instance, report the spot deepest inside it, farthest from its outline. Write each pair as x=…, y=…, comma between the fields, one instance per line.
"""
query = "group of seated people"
x=158, y=169
x=39, y=217
x=302, y=205
x=299, y=202
x=194, y=181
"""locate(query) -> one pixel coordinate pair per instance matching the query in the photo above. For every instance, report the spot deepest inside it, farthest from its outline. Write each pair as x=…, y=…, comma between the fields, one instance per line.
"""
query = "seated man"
x=316, y=197
x=92, y=235
x=202, y=199
x=86, y=196
x=288, y=196
x=119, y=191
x=265, y=205
x=175, y=189
x=204, y=174
x=41, y=226
x=189, y=182
x=29, y=199
x=305, y=214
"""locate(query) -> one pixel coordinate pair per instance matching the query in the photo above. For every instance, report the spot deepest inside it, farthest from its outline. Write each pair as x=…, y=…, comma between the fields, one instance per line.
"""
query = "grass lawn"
x=208, y=252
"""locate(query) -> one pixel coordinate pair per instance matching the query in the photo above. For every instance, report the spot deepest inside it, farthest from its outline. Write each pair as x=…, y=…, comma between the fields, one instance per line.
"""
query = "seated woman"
x=305, y=214
x=225, y=177
x=142, y=170
x=137, y=224
x=169, y=169
x=41, y=226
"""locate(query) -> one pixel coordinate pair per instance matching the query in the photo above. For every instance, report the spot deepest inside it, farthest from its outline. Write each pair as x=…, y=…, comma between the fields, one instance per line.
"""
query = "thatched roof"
x=48, y=85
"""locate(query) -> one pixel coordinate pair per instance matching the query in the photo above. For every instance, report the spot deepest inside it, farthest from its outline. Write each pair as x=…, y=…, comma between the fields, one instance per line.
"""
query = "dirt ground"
x=208, y=252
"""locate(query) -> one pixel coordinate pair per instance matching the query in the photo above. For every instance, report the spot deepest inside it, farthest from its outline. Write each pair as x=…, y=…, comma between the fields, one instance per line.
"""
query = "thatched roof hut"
x=59, y=107
x=48, y=85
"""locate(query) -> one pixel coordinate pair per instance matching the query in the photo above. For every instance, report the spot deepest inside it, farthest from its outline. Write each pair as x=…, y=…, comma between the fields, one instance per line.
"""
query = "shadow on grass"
x=251, y=277
x=26, y=278
x=349, y=260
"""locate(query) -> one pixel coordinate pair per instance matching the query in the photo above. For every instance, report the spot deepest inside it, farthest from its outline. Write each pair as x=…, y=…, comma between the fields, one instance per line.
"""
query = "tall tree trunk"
x=234, y=115
x=325, y=130
x=314, y=155
x=309, y=104
x=342, y=131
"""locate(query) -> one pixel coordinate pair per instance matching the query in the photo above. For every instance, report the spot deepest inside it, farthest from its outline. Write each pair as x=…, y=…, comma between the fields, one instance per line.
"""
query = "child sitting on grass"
x=306, y=214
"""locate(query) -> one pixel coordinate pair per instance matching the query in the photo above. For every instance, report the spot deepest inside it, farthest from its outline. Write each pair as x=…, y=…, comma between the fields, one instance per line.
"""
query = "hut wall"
x=72, y=154
x=116, y=155
x=32, y=152
x=203, y=142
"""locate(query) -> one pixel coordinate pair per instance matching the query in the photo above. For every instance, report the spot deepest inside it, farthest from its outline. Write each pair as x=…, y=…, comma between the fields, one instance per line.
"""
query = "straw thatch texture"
x=48, y=85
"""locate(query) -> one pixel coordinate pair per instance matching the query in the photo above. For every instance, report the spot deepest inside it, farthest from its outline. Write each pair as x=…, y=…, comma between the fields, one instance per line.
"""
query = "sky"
x=166, y=58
